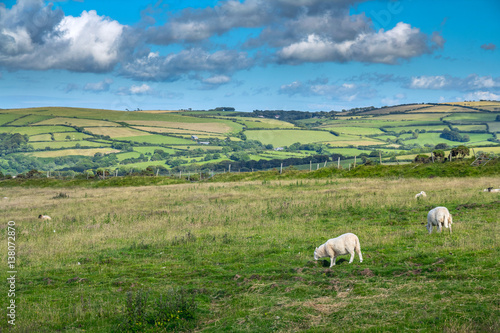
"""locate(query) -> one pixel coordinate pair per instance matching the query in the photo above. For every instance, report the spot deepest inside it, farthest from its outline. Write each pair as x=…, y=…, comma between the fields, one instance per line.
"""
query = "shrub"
x=175, y=311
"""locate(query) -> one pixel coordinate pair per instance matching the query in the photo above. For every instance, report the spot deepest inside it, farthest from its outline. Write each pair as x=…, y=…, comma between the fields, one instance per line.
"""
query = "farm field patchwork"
x=157, y=139
x=66, y=144
x=288, y=137
x=115, y=132
x=494, y=127
x=29, y=119
x=354, y=130
x=262, y=122
x=80, y=122
x=443, y=108
x=7, y=118
x=434, y=139
x=214, y=126
x=69, y=152
x=34, y=130
x=244, y=253
x=470, y=117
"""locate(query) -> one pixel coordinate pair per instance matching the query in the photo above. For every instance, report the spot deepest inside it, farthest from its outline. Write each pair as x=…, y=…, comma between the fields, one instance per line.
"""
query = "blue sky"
x=306, y=55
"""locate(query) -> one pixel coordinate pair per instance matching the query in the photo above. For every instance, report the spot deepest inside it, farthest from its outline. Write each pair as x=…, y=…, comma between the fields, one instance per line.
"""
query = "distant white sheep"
x=421, y=194
x=344, y=244
x=439, y=217
x=491, y=189
x=44, y=217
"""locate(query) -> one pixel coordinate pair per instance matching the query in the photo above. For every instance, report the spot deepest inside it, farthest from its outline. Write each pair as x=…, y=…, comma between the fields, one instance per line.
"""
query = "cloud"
x=98, y=86
x=193, y=25
x=299, y=31
x=401, y=42
x=489, y=47
x=34, y=36
x=320, y=87
x=446, y=82
x=143, y=89
x=482, y=95
x=172, y=67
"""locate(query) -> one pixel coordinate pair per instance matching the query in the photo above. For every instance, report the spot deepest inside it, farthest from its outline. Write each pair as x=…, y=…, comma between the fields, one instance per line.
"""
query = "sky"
x=308, y=55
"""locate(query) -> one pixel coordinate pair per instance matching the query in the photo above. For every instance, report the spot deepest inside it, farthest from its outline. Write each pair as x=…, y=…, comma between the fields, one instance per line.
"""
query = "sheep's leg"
x=439, y=227
x=351, y=252
x=429, y=227
x=359, y=255
x=332, y=261
x=450, y=228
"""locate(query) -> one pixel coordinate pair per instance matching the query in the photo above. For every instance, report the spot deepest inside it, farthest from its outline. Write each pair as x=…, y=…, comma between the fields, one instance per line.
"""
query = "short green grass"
x=287, y=137
x=35, y=130
x=244, y=251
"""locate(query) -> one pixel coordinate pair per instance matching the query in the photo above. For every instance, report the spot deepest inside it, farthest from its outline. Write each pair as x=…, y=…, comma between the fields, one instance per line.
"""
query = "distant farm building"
x=194, y=137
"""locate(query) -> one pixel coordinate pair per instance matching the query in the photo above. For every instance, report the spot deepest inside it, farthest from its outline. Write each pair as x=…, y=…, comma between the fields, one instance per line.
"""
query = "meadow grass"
x=288, y=137
x=471, y=117
x=30, y=119
x=244, y=251
x=8, y=117
x=494, y=127
x=35, y=130
x=78, y=151
x=158, y=139
x=65, y=144
x=81, y=122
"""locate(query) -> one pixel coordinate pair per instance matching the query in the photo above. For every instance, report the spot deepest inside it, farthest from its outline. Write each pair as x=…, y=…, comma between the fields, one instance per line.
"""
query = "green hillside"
x=195, y=140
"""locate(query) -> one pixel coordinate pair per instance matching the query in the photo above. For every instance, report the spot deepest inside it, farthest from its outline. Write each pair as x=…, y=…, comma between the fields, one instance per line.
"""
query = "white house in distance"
x=194, y=137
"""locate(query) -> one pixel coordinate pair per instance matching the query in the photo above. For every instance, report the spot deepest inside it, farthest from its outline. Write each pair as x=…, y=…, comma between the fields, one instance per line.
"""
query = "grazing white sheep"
x=421, y=194
x=44, y=217
x=344, y=244
x=439, y=216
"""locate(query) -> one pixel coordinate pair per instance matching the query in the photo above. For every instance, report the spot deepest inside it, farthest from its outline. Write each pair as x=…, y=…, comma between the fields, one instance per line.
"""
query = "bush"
x=173, y=312
x=422, y=159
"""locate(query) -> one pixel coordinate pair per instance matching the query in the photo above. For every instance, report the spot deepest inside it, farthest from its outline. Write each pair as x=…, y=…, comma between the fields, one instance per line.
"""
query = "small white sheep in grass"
x=421, y=194
x=439, y=216
x=344, y=244
x=44, y=217
x=491, y=189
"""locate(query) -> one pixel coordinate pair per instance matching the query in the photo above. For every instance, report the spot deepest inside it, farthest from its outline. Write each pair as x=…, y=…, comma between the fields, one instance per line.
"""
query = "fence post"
x=281, y=168
x=338, y=163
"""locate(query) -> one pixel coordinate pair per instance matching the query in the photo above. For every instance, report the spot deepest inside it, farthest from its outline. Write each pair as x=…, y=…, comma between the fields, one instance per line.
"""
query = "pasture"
x=65, y=144
x=244, y=252
x=69, y=152
x=288, y=137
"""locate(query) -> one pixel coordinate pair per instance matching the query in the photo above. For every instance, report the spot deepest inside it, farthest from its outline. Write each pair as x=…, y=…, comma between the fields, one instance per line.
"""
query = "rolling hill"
x=77, y=139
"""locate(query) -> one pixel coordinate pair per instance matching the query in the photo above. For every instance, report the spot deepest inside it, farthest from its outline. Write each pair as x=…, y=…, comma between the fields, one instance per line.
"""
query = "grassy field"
x=158, y=139
x=215, y=125
x=458, y=118
x=7, y=118
x=35, y=130
x=494, y=127
x=69, y=152
x=66, y=144
x=354, y=130
x=263, y=122
x=30, y=119
x=288, y=137
x=77, y=122
x=433, y=138
x=238, y=257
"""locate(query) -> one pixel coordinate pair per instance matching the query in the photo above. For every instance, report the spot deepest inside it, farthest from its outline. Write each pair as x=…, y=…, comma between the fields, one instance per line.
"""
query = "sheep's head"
x=316, y=256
